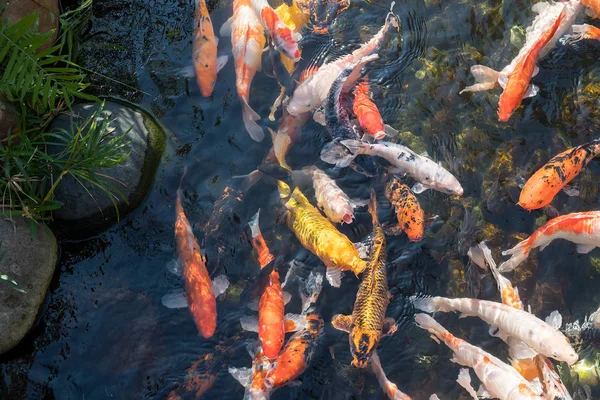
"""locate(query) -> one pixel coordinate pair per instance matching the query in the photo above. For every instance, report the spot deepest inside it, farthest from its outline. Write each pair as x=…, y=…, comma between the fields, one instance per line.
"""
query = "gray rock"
x=29, y=260
x=86, y=214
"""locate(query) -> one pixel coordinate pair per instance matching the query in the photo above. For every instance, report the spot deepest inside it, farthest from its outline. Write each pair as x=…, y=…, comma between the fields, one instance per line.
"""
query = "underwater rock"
x=29, y=258
x=84, y=214
x=47, y=10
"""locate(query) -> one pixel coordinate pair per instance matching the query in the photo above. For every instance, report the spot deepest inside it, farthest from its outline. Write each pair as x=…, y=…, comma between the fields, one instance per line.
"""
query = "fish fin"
x=551, y=212
x=536, y=386
x=591, y=13
x=426, y=304
x=494, y=331
x=242, y=375
x=187, y=72
x=250, y=117
x=294, y=322
x=286, y=297
x=364, y=247
x=335, y=153
x=571, y=191
x=418, y=188
x=334, y=277
x=392, y=229
x=354, y=146
x=479, y=87
x=175, y=267
x=486, y=79
x=538, y=8
x=220, y=285
x=253, y=224
x=518, y=254
x=532, y=90
x=434, y=397
x=319, y=116
x=373, y=208
x=536, y=70
x=464, y=380
x=483, y=393
x=389, y=131
x=221, y=61
x=253, y=305
x=249, y=323
x=389, y=327
x=309, y=293
x=554, y=319
x=585, y=248
x=342, y=322
x=226, y=27
x=503, y=81
x=175, y=299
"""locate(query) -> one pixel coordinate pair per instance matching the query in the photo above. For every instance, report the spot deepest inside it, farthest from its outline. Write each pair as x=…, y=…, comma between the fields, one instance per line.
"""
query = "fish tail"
x=426, y=304
x=373, y=208
x=486, y=79
x=517, y=255
x=250, y=117
x=426, y=322
x=253, y=224
x=335, y=153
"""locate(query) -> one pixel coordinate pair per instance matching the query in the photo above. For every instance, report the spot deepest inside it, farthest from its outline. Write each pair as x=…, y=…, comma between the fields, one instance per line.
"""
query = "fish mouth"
x=347, y=218
x=359, y=363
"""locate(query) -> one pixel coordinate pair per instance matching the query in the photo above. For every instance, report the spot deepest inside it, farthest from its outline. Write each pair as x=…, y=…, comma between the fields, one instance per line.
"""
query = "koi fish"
x=309, y=287
x=294, y=18
x=204, y=50
x=583, y=31
x=499, y=379
x=367, y=324
x=518, y=81
x=330, y=198
x=258, y=242
x=593, y=7
x=540, y=189
x=429, y=174
x=388, y=387
x=253, y=379
x=519, y=324
x=367, y=112
x=248, y=42
x=311, y=93
x=288, y=133
x=487, y=78
x=198, y=286
x=581, y=228
x=508, y=293
x=282, y=36
x=296, y=354
x=408, y=211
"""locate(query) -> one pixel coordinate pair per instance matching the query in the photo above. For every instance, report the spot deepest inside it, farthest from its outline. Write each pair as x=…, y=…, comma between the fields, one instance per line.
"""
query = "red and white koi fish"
x=581, y=228
x=388, y=387
x=253, y=379
x=537, y=334
x=198, y=286
x=548, y=12
x=518, y=81
x=311, y=93
x=282, y=36
x=509, y=294
x=499, y=379
x=330, y=198
x=204, y=50
x=258, y=242
x=248, y=41
x=367, y=112
x=427, y=172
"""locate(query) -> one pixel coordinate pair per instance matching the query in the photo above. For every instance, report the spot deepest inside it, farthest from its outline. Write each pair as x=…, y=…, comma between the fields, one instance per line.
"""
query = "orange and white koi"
x=253, y=379
x=282, y=36
x=367, y=112
x=248, y=41
x=487, y=78
x=390, y=388
x=581, y=228
x=204, y=50
x=311, y=94
x=518, y=81
x=499, y=379
x=258, y=242
x=583, y=31
x=198, y=286
x=330, y=198
x=537, y=334
x=408, y=211
x=540, y=189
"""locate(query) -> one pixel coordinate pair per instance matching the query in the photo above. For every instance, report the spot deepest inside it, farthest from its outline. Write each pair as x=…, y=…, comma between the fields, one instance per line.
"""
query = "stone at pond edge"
x=29, y=260
x=84, y=215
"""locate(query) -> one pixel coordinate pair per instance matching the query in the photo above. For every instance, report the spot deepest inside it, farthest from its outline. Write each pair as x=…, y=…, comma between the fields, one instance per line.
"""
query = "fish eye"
x=555, y=354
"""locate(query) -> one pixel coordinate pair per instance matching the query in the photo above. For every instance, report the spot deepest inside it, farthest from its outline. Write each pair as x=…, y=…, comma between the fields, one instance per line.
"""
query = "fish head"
x=302, y=100
x=448, y=183
x=559, y=348
x=257, y=394
x=362, y=345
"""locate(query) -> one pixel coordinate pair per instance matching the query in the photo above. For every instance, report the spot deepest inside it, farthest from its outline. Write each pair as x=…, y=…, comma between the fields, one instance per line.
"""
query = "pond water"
x=104, y=333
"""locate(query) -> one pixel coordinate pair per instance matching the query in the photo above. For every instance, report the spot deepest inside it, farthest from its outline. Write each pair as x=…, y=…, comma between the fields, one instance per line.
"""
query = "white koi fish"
x=581, y=228
x=427, y=172
x=499, y=379
x=519, y=324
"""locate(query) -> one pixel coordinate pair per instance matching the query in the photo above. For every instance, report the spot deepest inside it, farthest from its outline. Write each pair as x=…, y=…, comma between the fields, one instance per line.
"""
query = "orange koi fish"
x=296, y=355
x=248, y=41
x=258, y=242
x=593, y=7
x=198, y=286
x=282, y=36
x=581, y=228
x=204, y=50
x=408, y=211
x=541, y=188
x=367, y=112
x=518, y=81
x=253, y=379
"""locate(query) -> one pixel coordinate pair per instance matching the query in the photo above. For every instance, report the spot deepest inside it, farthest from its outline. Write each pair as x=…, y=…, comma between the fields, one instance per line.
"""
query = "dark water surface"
x=104, y=333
